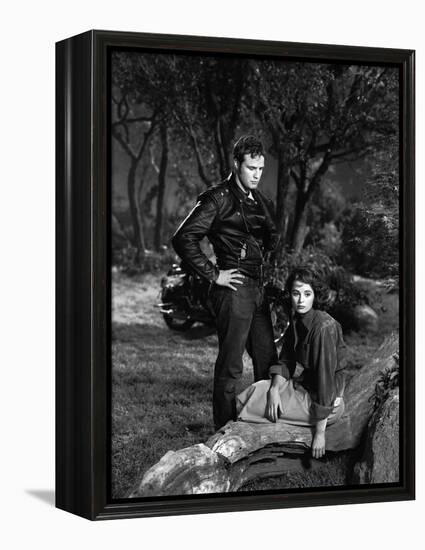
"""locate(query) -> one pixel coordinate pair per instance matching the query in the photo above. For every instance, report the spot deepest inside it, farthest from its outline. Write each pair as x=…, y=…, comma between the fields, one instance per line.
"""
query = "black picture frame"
x=83, y=287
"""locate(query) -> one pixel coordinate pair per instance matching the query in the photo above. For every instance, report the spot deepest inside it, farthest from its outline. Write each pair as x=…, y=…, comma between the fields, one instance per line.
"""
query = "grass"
x=160, y=398
x=161, y=382
x=162, y=387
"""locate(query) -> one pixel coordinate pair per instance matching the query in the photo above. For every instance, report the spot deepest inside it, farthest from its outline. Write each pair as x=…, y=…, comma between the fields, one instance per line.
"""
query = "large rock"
x=241, y=451
x=365, y=318
x=380, y=461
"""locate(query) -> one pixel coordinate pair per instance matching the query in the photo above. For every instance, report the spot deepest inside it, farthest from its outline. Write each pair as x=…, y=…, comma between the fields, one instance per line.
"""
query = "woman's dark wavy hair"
x=310, y=277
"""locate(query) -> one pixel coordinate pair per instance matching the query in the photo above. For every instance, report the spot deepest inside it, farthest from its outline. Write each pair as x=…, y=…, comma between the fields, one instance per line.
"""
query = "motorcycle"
x=184, y=301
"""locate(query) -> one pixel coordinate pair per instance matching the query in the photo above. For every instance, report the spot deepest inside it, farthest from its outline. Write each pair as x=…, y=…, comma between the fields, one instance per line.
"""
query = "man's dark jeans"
x=243, y=321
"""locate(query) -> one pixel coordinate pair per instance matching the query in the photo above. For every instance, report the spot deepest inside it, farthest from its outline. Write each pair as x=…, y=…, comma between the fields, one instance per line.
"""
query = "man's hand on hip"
x=229, y=277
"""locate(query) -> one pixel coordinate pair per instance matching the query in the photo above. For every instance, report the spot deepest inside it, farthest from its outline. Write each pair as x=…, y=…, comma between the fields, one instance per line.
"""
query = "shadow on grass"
x=145, y=334
x=199, y=331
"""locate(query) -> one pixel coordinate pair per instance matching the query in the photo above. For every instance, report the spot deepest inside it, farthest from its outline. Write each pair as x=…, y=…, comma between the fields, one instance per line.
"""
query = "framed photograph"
x=235, y=275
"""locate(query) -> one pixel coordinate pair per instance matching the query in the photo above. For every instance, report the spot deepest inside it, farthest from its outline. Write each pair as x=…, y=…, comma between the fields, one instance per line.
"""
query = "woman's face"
x=302, y=297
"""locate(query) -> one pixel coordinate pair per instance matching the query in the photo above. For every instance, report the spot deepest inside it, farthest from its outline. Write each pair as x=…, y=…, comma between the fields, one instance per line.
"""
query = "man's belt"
x=254, y=272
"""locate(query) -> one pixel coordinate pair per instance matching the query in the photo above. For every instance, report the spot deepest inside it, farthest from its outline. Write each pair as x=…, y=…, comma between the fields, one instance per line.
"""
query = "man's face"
x=250, y=170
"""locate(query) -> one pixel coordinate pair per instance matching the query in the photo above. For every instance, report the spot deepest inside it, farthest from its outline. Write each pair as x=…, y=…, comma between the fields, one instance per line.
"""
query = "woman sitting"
x=307, y=384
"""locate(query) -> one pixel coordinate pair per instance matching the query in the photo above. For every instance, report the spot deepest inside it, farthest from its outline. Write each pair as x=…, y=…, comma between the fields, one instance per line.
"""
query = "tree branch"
x=136, y=119
x=321, y=170
x=364, y=149
x=124, y=144
x=153, y=162
x=295, y=177
x=201, y=169
x=188, y=128
x=123, y=107
x=147, y=135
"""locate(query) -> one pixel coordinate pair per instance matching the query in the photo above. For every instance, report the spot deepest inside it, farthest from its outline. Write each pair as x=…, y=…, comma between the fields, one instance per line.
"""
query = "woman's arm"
x=273, y=398
x=325, y=358
x=318, y=445
x=324, y=361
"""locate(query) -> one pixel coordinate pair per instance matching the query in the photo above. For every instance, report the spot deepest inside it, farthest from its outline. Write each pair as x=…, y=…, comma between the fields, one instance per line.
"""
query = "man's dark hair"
x=310, y=277
x=247, y=145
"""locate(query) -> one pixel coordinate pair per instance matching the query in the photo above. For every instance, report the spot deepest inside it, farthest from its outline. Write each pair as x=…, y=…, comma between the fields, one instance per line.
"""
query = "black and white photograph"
x=255, y=273
x=212, y=275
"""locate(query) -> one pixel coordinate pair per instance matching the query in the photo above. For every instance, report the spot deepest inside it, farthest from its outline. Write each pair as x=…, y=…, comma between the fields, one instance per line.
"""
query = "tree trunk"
x=118, y=229
x=161, y=189
x=281, y=210
x=300, y=229
x=220, y=135
x=221, y=154
x=136, y=218
x=305, y=192
x=300, y=232
x=227, y=140
x=199, y=161
x=133, y=192
x=144, y=212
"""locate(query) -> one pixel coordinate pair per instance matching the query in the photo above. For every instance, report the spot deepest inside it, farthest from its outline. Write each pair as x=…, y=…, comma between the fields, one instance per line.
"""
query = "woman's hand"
x=318, y=447
x=273, y=406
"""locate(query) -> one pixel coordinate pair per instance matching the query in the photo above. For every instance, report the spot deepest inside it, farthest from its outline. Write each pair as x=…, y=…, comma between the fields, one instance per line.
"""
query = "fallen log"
x=241, y=451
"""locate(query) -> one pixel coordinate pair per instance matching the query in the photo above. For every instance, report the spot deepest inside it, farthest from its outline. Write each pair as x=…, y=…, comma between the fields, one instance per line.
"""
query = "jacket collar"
x=237, y=191
x=307, y=319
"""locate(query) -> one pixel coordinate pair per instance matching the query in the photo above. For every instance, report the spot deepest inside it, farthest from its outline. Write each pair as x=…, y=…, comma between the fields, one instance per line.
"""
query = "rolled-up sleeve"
x=286, y=364
x=325, y=360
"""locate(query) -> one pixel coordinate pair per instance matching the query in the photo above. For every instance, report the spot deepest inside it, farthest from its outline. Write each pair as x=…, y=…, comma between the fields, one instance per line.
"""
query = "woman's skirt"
x=295, y=402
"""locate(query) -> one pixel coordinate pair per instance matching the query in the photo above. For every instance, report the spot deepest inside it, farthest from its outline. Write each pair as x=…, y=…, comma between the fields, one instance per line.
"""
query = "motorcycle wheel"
x=177, y=324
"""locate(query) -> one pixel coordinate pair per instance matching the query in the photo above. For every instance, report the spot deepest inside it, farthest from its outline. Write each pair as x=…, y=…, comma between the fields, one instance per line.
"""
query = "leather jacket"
x=239, y=229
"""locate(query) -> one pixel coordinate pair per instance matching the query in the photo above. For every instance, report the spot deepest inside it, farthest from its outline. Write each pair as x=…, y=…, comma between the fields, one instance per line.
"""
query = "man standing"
x=238, y=221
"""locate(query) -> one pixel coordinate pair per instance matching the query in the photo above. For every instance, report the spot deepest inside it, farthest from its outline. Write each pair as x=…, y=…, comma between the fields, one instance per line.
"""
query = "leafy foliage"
x=319, y=115
x=370, y=243
x=311, y=116
x=370, y=235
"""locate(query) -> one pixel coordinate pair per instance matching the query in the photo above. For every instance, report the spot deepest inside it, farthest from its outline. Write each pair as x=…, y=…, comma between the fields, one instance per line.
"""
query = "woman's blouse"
x=315, y=341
